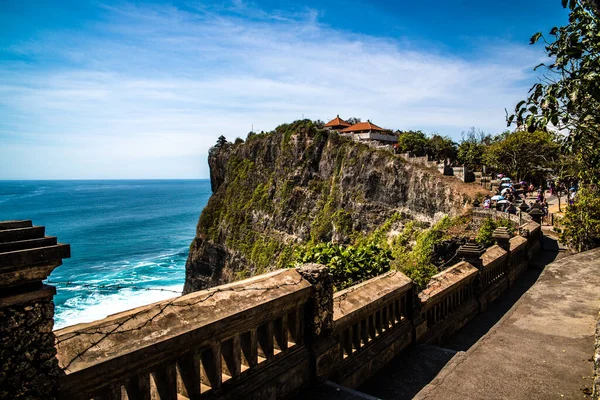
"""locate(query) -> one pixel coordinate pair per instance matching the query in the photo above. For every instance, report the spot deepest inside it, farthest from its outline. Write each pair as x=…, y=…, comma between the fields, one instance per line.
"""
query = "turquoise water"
x=129, y=238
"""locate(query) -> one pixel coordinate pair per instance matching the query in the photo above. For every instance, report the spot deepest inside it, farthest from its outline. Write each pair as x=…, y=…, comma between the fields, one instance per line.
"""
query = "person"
x=571, y=197
x=544, y=205
x=487, y=202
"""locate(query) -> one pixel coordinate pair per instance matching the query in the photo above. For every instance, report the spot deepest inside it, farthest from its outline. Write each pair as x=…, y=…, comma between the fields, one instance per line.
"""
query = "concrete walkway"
x=541, y=349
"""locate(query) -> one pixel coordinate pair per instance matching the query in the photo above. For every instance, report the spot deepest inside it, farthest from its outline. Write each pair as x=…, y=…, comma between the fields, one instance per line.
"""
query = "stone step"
x=4, y=225
x=38, y=256
x=18, y=234
x=28, y=244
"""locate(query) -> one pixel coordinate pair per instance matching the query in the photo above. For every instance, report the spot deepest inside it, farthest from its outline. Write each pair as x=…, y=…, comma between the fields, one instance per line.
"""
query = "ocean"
x=129, y=239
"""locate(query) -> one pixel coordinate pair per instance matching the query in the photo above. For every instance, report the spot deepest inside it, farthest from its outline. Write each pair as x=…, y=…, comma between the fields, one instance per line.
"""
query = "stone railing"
x=493, y=279
x=204, y=343
x=420, y=160
x=463, y=173
x=372, y=314
x=269, y=336
x=448, y=301
x=518, y=259
x=493, y=266
x=480, y=214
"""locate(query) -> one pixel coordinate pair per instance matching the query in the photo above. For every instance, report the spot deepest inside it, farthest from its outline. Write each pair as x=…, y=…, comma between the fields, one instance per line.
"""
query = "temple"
x=336, y=124
x=362, y=131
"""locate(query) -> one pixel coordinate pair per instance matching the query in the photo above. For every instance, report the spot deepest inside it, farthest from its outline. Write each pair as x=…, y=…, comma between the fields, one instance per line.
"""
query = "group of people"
x=509, y=194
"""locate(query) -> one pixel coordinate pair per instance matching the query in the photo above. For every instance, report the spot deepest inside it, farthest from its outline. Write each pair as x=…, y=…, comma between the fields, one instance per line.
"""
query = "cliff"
x=299, y=184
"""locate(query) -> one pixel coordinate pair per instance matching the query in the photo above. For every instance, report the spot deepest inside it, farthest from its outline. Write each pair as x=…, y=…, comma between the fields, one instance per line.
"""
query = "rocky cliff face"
x=300, y=184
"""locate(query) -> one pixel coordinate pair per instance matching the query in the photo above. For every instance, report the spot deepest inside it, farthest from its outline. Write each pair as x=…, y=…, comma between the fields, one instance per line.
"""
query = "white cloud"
x=152, y=84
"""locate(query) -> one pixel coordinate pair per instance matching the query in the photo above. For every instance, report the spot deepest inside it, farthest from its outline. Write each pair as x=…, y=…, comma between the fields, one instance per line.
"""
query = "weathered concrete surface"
x=541, y=349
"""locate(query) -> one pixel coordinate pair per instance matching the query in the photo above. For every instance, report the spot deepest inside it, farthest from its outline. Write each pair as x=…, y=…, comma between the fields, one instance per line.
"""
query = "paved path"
x=541, y=349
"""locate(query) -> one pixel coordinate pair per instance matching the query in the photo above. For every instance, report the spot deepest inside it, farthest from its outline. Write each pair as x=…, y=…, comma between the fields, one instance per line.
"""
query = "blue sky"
x=113, y=89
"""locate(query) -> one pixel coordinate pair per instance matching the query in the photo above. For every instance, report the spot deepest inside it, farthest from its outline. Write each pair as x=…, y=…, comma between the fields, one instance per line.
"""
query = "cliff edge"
x=299, y=184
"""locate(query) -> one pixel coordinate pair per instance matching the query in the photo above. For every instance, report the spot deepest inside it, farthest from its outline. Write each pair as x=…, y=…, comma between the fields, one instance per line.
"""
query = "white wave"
x=99, y=305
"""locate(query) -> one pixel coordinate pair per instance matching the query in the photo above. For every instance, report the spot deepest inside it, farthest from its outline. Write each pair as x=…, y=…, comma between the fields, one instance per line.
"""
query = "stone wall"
x=463, y=173
x=29, y=365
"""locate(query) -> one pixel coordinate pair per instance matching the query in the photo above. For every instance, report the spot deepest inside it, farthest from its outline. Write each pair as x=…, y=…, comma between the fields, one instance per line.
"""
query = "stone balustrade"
x=446, y=302
x=371, y=314
x=201, y=344
x=269, y=336
x=480, y=214
x=493, y=275
x=518, y=259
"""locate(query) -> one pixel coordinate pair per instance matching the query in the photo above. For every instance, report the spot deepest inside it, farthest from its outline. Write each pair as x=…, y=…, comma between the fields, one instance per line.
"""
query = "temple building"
x=364, y=131
x=336, y=124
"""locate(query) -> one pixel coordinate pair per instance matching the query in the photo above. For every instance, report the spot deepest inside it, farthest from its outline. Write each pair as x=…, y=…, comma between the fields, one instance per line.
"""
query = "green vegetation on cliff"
x=409, y=250
x=279, y=194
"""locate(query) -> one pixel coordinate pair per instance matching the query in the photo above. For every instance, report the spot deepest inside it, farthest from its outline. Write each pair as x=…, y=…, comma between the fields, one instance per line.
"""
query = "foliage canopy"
x=413, y=141
x=520, y=154
x=568, y=98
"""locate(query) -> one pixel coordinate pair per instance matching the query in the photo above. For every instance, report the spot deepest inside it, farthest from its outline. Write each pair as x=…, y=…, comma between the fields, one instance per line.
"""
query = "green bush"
x=580, y=227
x=416, y=262
x=411, y=251
x=349, y=265
x=487, y=228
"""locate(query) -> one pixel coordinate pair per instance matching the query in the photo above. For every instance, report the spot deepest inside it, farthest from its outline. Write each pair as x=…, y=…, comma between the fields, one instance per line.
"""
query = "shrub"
x=487, y=228
x=349, y=265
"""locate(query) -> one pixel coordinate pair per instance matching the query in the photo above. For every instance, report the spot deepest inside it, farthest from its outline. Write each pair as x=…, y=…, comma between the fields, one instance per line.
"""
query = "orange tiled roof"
x=362, y=126
x=337, y=121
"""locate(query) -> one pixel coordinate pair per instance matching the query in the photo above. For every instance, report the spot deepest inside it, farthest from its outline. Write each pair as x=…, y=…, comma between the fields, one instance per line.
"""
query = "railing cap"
x=517, y=242
x=501, y=233
x=447, y=280
x=493, y=254
x=471, y=250
x=536, y=212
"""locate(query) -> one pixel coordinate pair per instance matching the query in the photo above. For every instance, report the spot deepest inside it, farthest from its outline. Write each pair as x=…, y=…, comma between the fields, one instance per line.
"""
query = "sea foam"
x=97, y=305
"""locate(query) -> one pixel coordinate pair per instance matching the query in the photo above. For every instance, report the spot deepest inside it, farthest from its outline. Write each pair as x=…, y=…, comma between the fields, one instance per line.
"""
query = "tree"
x=353, y=120
x=413, y=141
x=568, y=96
x=568, y=99
x=580, y=227
x=221, y=142
x=472, y=147
x=441, y=147
x=520, y=154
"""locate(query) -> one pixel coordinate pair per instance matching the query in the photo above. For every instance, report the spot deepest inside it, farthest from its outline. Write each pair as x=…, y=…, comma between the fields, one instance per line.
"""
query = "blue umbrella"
x=497, y=197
